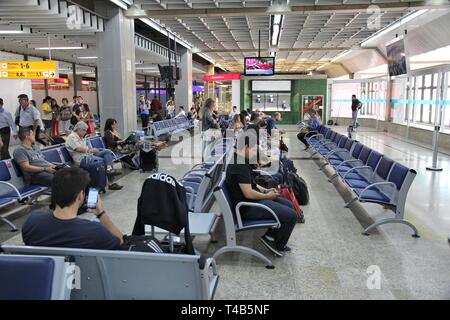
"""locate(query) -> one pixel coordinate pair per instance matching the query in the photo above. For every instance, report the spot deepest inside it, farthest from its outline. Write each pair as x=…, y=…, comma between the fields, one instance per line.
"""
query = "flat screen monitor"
x=254, y=66
x=396, y=56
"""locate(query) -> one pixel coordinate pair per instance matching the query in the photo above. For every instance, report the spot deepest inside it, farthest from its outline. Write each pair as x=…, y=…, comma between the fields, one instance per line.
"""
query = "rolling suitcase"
x=97, y=173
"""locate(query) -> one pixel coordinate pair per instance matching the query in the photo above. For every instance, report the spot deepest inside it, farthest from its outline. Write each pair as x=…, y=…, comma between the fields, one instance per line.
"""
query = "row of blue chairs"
x=169, y=126
x=371, y=176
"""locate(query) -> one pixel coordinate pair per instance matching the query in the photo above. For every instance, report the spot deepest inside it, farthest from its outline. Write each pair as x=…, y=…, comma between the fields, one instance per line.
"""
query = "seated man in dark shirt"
x=242, y=187
x=62, y=228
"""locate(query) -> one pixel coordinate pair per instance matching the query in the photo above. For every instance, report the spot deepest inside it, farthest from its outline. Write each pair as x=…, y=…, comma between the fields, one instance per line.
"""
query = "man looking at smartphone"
x=242, y=188
x=62, y=227
x=36, y=170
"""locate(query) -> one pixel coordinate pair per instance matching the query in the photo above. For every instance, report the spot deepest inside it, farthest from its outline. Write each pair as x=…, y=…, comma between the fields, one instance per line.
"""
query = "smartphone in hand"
x=92, y=198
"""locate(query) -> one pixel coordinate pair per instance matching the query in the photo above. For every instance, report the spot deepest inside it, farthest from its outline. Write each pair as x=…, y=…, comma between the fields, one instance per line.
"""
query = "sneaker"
x=115, y=186
x=306, y=148
x=271, y=246
x=286, y=249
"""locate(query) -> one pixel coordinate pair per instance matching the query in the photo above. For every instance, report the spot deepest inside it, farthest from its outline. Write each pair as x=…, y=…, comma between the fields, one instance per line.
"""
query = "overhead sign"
x=29, y=69
x=222, y=77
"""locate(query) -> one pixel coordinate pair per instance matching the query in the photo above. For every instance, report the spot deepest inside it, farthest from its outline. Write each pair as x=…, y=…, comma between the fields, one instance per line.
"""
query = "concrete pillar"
x=183, y=90
x=210, y=84
x=236, y=93
x=116, y=69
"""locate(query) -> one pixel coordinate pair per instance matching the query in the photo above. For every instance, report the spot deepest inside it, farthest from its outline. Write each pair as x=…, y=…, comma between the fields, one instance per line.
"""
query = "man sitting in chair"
x=242, y=187
x=62, y=227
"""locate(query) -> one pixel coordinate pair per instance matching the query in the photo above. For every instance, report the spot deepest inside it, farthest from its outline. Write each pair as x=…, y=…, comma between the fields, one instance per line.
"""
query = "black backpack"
x=142, y=244
x=299, y=188
x=148, y=160
x=266, y=181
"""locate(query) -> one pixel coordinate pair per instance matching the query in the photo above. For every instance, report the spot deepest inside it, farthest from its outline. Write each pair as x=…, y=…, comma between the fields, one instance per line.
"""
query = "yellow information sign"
x=28, y=70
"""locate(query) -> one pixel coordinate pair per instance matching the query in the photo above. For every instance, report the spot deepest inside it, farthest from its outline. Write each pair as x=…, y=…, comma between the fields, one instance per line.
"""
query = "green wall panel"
x=298, y=88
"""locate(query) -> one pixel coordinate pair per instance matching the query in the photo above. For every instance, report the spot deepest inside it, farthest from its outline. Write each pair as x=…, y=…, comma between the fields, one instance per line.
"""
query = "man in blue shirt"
x=144, y=107
x=62, y=228
x=309, y=129
x=271, y=122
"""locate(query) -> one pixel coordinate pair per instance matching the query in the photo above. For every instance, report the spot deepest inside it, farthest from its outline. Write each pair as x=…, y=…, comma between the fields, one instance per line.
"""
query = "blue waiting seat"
x=234, y=223
x=13, y=188
x=388, y=186
x=25, y=277
x=99, y=143
x=119, y=275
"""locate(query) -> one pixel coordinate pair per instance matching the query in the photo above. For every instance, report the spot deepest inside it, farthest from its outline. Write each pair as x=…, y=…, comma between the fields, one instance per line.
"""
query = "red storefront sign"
x=222, y=77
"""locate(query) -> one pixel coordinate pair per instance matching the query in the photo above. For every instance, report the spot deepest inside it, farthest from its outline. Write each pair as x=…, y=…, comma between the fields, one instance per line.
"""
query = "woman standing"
x=237, y=124
x=87, y=117
x=55, y=118
x=65, y=115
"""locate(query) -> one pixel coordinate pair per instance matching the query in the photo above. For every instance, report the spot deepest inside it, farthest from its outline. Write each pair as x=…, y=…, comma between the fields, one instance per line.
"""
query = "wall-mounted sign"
x=29, y=70
x=311, y=104
x=222, y=77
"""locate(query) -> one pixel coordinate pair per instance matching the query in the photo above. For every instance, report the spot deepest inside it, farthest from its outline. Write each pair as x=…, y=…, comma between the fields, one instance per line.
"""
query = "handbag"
x=17, y=119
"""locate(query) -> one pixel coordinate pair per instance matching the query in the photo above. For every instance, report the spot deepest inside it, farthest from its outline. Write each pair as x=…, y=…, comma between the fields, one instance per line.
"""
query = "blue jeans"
x=105, y=155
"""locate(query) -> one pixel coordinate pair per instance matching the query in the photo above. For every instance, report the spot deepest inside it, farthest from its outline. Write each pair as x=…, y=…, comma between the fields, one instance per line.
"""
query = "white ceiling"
x=227, y=39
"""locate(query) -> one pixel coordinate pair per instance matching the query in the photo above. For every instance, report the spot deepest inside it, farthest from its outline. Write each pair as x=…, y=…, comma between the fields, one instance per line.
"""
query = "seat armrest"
x=348, y=161
x=13, y=188
x=382, y=183
x=257, y=205
x=358, y=169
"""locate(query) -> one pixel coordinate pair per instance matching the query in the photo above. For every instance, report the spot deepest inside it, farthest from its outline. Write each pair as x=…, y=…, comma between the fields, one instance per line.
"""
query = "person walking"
x=356, y=105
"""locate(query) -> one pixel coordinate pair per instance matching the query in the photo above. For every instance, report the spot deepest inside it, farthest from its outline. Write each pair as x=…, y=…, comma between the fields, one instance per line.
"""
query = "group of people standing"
x=54, y=119
x=154, y=111
x=57, y=118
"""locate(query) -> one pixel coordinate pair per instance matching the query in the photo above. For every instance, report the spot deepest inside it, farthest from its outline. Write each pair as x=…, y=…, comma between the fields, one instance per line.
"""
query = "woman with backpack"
x=65, y=114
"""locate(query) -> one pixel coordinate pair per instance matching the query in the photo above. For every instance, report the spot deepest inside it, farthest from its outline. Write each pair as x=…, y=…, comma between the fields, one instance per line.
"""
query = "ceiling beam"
x=135, y=12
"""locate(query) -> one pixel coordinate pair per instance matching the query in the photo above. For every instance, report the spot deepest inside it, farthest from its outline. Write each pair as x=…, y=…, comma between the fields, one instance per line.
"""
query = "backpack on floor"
x=288, y=194
x=97, y=172
x=142, y=244
x=148, y=160
x=299, y=188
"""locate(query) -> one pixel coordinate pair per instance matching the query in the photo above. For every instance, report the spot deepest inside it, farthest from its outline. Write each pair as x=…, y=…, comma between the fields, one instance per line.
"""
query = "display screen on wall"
x=254, y=66
x=271, y=101
x=311, y=104
x=396, y=56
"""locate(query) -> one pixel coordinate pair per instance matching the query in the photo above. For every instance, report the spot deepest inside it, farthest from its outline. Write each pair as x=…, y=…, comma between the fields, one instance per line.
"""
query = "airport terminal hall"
x=294, y=150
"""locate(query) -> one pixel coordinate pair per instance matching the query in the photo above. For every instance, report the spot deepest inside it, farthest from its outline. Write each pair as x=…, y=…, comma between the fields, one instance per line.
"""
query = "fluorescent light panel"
x=59, y=48
x=275, y=34
x=87, y=58
x=14, y=29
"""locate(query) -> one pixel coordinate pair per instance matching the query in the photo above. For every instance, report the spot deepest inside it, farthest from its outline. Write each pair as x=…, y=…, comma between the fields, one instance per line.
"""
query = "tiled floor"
x=330, y=258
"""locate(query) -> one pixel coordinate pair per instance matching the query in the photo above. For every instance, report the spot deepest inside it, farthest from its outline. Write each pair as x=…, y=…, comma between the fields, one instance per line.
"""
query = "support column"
x=236, y=93
x=116, y=68
x=210, y=85
x=183, y=90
